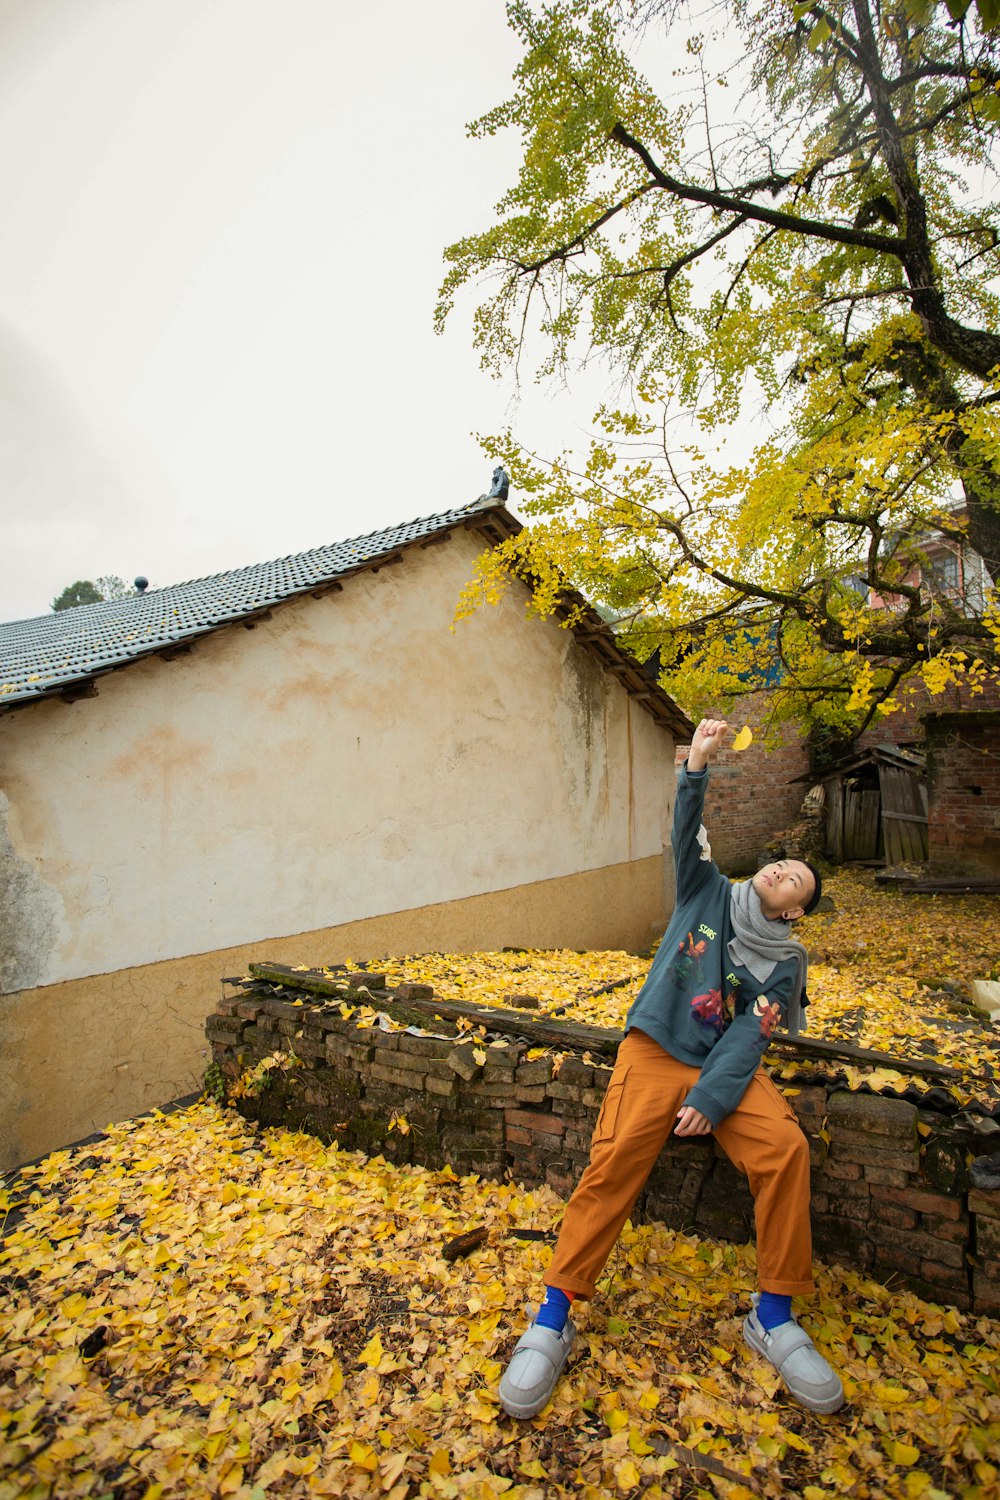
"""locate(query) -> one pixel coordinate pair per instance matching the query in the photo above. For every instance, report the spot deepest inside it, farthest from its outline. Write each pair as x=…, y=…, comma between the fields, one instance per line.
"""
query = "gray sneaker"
x=797, y=1360
x=534, y=1369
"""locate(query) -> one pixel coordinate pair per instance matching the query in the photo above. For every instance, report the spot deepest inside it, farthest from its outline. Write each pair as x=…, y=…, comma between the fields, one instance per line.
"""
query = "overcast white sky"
x=219, y=253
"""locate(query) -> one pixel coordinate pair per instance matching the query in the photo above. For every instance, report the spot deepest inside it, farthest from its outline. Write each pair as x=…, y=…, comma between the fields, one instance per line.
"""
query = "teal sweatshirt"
x=702, y=1008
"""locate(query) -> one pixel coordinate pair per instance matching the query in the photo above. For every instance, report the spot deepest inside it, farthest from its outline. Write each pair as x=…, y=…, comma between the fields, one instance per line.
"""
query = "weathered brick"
x=843, y=1171
x=385, y=1041
x=988, y=1237
x=925, y=1203
x=535, y=1120
x=939, y=1274
x=248, y=1009
x=224, y=1028
x=412, y=991
x=462, y=1062
x=445, y=1088
x=361, y=977
x=280, y=1010
x=535, y=1094
x=561, y=1178
x=897, y=1257
x=893, y=1177
x=304, y=1047
x=873, y=1115
x=843, y=1241
x=401, y=1076
x=500, y=1067
x=567, y=1092
x=892, y=1215
x=852, y=1145
x=946, y=1229
x=424, y=1046
x=537, y=1071
x=518, y=1137
x=839, y=1206
x=406, y=1062
x=809, y=1103
x=338, y=1048
x=574, y=1073
x=342, y=1025
x=928, y=1248
x=227, y=1005
x=987, y=1205
x=986, y=1291
x=479, y=1093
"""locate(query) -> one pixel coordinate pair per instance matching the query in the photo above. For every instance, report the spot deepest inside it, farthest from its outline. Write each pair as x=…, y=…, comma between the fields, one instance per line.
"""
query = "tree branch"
x=690, y=193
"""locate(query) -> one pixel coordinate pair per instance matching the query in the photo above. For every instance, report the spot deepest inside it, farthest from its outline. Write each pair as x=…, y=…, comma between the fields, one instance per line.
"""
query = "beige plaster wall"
x=351, y=758
x=77, y=1055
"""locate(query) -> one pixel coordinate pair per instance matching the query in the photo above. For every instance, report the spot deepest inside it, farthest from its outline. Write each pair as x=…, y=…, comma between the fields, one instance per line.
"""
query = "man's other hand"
x=707, y=740
x=691, y=1121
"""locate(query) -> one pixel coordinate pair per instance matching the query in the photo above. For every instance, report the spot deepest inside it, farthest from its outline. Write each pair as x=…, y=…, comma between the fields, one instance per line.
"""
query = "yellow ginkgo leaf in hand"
x=743, y=739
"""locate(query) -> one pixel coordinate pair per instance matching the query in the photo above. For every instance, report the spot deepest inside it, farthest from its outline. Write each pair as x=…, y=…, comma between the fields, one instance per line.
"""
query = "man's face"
x=784, y=888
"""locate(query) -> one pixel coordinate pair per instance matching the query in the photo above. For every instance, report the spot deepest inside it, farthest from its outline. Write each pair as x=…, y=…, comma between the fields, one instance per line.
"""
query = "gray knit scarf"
x=759, y=943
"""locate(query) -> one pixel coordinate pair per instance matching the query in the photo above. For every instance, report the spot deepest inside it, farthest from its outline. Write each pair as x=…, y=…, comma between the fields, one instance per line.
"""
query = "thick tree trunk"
x=981, y=483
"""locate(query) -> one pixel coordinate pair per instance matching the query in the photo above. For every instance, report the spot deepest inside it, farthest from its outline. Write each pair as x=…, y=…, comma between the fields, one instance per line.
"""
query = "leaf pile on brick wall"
x=190, y=1308
x=887, y=973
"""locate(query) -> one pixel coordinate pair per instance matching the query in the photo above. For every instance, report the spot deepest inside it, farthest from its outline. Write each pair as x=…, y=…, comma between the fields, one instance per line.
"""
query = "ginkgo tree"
x=819, y=258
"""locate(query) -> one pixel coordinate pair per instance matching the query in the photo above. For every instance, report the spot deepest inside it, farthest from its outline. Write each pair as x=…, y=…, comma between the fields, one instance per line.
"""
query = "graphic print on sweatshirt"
x=708, y=1008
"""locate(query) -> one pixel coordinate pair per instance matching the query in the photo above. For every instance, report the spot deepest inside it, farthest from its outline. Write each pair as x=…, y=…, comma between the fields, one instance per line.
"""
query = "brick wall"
x=753, y=795
x=963, y=772
x=890, y=1181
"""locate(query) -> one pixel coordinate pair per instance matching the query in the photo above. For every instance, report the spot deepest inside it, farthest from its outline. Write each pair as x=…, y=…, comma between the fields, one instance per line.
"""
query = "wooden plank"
x=956, y=887
x=574, y=1036
x=835, y=820
x=861, y=831
x=904, y=816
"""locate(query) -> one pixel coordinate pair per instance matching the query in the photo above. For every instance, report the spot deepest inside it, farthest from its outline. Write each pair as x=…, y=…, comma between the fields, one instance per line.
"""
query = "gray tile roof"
x=53, y=652
x=61, y=654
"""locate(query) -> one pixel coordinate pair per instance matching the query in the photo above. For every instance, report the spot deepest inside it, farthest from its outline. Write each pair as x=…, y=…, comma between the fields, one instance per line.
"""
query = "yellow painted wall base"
x=76, y=1056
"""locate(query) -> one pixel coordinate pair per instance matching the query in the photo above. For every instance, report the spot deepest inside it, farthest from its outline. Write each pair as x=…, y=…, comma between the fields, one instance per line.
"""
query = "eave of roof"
x=63, y=655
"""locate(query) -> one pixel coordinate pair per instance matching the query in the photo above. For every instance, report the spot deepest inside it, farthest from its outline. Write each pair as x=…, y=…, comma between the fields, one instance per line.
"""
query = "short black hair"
x=813, y=901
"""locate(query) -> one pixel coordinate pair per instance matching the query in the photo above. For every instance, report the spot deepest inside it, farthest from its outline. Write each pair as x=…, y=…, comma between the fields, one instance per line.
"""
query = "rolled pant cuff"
x=582, y=1289
x=787, y=1288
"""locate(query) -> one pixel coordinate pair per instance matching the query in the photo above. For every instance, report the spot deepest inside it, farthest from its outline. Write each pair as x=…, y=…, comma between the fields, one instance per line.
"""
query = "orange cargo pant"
x=761, y=1137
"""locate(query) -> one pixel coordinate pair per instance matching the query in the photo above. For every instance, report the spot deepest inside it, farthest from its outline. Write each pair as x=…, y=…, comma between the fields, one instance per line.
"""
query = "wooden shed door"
x=861, y=821
x=904, y=814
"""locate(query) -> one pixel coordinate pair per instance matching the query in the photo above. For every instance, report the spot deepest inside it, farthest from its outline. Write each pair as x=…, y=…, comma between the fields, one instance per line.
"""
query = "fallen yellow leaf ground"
x=192, y=1308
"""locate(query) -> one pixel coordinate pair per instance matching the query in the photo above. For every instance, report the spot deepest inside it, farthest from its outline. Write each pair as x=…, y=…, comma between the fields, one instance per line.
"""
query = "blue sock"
x=554, y=1309
x=773, y=1308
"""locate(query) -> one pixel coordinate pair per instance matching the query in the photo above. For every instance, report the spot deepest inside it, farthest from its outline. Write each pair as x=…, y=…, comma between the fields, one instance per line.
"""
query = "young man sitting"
x=725, y=974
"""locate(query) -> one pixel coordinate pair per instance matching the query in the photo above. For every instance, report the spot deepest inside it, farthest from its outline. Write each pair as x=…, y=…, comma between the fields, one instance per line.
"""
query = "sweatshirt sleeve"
x=732, y=1062
x=690, y=869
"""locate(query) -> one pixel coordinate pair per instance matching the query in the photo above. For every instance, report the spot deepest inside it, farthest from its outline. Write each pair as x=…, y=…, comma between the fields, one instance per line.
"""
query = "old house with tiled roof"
x=301, y=760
